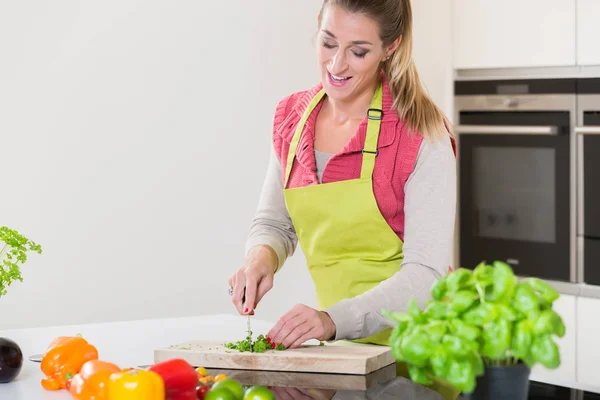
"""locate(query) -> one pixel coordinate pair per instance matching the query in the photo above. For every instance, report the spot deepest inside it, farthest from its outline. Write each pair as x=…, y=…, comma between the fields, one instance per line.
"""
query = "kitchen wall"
x=135, y=138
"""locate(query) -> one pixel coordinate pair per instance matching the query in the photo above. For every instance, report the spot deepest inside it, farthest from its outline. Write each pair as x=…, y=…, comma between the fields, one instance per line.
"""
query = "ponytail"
x=411, y=100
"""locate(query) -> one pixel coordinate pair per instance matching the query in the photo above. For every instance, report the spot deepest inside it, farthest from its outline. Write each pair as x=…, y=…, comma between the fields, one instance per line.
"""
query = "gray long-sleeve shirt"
x=430, y=208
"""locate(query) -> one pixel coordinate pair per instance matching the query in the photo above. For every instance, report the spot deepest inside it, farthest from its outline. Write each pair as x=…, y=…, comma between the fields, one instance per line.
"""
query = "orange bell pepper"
x=136, y=384
x=63, y=359
x=91, y=383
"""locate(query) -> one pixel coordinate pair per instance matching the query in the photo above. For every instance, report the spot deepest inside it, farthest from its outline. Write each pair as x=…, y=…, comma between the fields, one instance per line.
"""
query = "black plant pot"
x=509, y=382
x=11, y=360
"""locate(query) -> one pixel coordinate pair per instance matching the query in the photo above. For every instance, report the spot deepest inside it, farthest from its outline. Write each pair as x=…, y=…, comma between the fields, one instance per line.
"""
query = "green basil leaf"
x=529, y=360
x=436, y=330
x=456, y=346
x=461, y=374
x=478, y=365
x=549, y=322
x=483, y=274
x=545, y=351
x=439, y=289
x=461, y=278
x=468, y=332
x=496, y=339
x=436, y=310
x=462, y=300
x=522, y=339
x=400, y=329
x=440, y=361
x=507, y=312
x=418, y=375
x=417, y=348
x=396, y=348
x=415, y=312
x=481, y=314
x=503, y=284
x=546, y=292
x=525, y=300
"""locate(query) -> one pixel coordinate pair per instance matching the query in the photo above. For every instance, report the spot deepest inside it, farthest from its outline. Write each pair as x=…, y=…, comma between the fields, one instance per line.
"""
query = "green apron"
x=348, y=245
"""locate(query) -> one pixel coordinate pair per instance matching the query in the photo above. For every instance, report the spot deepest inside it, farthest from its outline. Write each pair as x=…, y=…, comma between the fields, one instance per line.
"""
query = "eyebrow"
x=354, y=42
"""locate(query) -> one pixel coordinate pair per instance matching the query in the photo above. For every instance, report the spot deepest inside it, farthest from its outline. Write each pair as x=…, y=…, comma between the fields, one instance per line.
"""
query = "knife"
x=248, y=322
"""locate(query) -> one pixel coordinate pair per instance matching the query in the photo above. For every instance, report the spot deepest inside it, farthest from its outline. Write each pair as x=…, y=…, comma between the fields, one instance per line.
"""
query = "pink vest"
x=393, y=166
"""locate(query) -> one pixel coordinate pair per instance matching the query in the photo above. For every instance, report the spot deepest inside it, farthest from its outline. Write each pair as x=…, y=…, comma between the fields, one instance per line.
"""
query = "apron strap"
x=299, y=129
x=374, y=115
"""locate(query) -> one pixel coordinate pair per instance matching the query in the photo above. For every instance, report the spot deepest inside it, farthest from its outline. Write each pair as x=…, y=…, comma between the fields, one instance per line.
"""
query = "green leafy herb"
x=14, y=248
x=260, y=345
x=476, y=318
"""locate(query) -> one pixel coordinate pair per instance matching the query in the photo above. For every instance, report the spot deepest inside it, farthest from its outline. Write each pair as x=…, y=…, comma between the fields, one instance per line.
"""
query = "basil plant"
x=476, y=318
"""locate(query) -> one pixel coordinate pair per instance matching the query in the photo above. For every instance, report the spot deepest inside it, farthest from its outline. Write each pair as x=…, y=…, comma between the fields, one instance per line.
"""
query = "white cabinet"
x=516, y=33
x=588, y=32
x=588, y=344
x=566, y=307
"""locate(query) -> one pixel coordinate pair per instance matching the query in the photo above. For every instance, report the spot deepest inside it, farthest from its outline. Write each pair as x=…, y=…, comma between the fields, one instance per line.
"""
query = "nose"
x=338, y=63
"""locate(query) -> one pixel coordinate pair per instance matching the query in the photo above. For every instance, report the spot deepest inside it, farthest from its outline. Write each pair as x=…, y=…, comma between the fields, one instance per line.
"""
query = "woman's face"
x=349, y=52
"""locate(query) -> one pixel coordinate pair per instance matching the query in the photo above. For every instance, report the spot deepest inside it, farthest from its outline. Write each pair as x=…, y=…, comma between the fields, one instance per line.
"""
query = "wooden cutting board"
x=336, y=358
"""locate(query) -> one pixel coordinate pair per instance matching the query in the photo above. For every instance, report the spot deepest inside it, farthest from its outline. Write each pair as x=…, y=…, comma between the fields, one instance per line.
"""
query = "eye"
x=360, y=54
x=327, y=45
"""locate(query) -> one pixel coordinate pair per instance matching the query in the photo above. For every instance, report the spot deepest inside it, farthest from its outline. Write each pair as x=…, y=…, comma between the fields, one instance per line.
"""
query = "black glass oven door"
x=514, y=191
x=588, y=138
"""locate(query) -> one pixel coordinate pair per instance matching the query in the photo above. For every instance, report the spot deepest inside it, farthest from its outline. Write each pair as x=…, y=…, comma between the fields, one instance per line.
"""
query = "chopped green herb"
x=260, y=345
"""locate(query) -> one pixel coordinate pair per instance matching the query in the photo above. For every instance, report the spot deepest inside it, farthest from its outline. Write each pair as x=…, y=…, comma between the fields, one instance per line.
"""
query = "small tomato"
x=201, y=391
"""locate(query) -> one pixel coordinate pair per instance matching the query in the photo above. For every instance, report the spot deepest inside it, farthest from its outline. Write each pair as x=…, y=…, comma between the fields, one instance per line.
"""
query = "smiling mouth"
x=338, y=78
x=338, y=81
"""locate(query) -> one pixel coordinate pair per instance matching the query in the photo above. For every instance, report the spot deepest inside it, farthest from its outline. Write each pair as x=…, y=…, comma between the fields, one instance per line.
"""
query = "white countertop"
x=127, y=344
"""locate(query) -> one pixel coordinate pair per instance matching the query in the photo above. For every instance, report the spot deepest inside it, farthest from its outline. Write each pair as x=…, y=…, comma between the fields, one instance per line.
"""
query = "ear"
x=393, y=46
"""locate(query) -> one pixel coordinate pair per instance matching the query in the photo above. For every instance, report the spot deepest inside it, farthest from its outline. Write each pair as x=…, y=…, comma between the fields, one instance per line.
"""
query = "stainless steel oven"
x=588, y=180
x=517, y=175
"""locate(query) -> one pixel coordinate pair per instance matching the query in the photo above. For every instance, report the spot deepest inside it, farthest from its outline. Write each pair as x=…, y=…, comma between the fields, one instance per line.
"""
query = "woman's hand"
x=300, y=324
x=251, y=282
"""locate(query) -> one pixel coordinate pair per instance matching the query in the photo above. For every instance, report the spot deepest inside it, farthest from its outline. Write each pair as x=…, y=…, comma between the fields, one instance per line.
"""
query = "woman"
x=362, y=176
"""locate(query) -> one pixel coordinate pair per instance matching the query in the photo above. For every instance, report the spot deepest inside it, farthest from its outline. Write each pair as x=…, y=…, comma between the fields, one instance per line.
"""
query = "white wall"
x=135, y=138
x=433, y=50
x=433, y=55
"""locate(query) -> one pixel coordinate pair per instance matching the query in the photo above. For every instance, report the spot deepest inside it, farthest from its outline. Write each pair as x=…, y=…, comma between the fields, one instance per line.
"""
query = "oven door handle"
x=587, y=130
x=506, y=130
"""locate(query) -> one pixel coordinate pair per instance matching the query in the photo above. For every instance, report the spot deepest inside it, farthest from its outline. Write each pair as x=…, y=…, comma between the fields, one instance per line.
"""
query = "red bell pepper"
x=179, y=377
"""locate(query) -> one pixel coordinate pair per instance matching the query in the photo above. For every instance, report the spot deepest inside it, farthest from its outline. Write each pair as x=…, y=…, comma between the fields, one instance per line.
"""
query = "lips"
x=338, y=80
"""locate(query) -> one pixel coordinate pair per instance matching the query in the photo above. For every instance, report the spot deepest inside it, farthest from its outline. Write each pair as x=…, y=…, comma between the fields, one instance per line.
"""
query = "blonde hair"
x=412, y=102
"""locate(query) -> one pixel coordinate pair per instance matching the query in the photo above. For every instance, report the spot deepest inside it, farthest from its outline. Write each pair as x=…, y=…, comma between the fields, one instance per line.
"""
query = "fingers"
x=250, y=283
x=251, y=286
x=296, y=327
x=275, y=332
x=302, y=337
x=238, y=290
x=264, y=286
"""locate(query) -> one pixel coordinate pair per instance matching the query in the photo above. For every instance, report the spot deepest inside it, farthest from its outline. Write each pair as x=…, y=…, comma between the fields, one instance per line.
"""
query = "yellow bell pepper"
x=136, y=384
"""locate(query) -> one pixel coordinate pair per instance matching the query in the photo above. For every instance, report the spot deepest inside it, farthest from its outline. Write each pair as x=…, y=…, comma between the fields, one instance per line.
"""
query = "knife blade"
x=248, y=321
